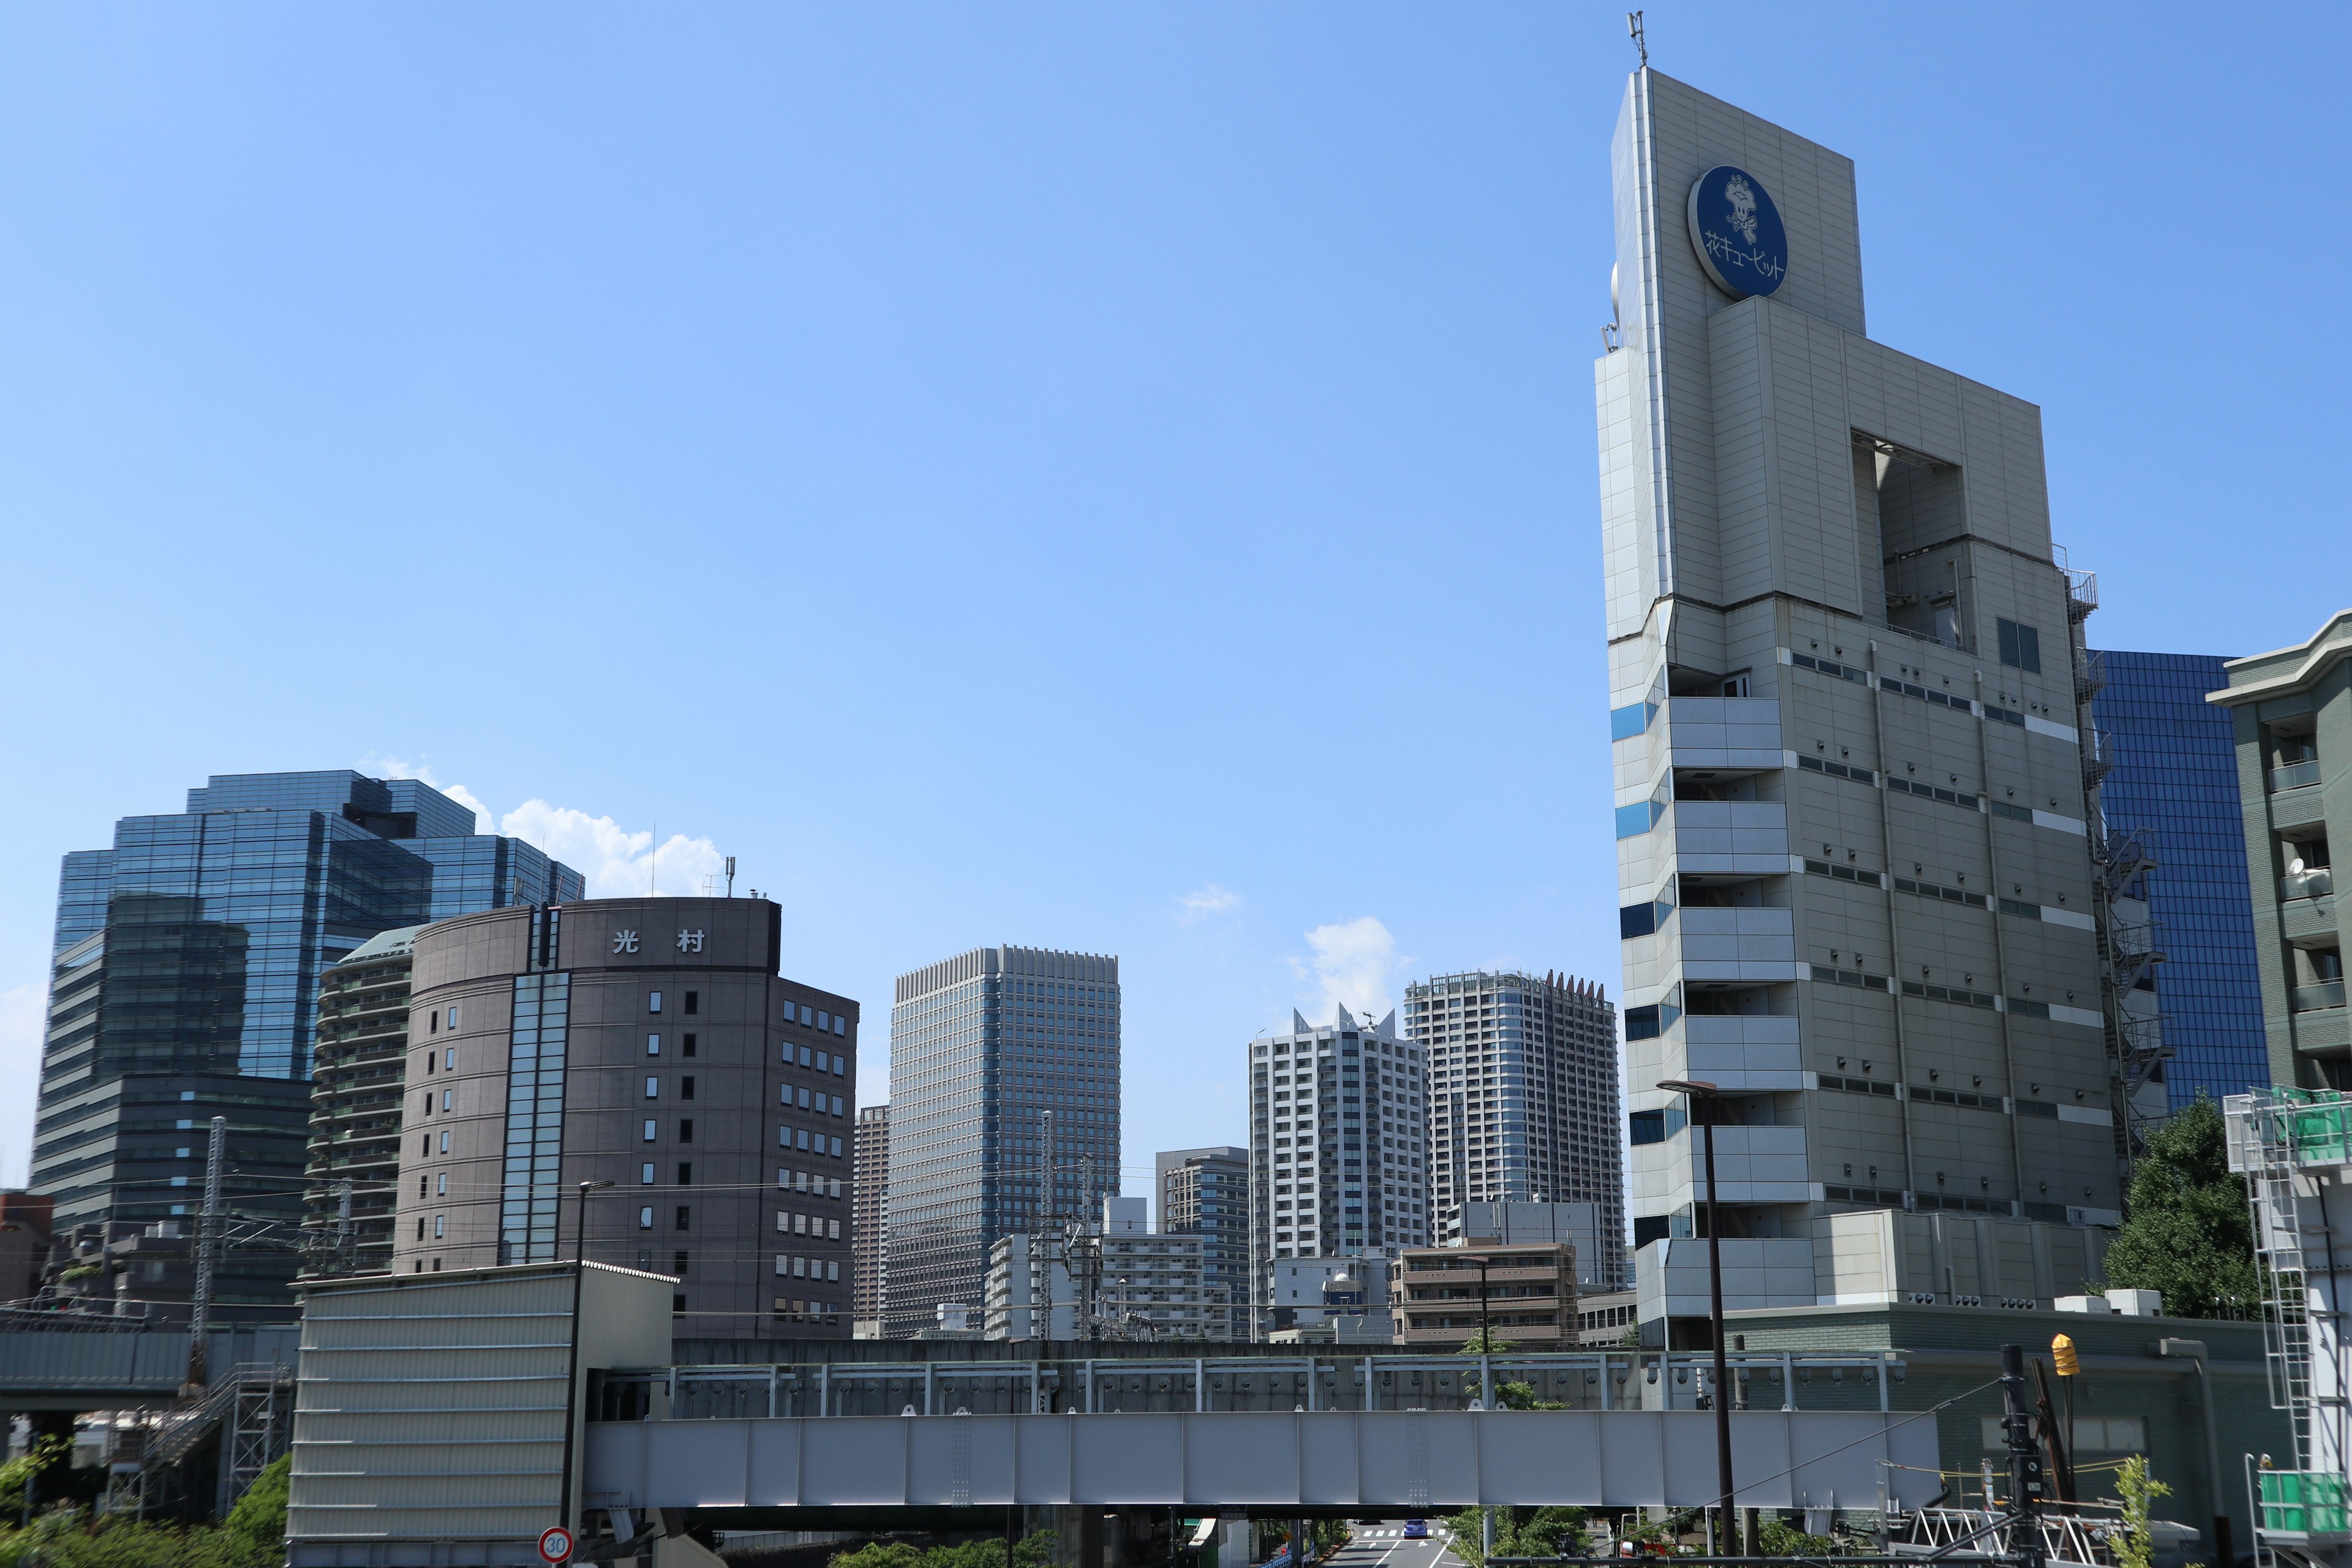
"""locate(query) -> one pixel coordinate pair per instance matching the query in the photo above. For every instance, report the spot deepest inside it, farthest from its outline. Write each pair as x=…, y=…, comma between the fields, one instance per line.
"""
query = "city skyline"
x=1098, y=305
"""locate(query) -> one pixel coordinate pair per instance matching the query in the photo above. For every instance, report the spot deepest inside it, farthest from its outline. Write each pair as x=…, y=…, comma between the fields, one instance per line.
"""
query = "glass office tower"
x=983, y=1046
x=2172, y=778
x=185, y=979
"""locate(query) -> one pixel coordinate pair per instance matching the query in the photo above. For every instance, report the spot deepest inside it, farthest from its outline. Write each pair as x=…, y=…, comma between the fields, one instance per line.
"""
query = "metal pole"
x=2194, y=1351
x=200, y=1309
x=1715, y=1316
x=2028, y=1485
x=344, y=1226
x=571, y=1370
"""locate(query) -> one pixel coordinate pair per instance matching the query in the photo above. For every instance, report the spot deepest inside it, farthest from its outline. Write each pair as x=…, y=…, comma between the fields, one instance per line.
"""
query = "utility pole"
x=2028, y=1481
x=200, y=1305
x=571, y=1370
x=1700, y=1096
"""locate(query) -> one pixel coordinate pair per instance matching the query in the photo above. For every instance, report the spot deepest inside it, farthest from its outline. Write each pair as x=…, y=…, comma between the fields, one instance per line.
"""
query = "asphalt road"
x=1384, y=1546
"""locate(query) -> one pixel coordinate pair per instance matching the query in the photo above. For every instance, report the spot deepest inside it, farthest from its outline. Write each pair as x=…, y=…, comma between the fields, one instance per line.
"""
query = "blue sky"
x=1112, y=477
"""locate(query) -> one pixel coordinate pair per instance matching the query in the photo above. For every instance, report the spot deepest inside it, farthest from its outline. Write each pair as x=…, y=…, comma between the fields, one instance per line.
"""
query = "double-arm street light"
x=1701, y=1097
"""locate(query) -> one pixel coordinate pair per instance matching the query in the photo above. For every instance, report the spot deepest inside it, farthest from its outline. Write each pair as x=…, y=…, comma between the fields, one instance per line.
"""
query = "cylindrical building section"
x=651, y=1045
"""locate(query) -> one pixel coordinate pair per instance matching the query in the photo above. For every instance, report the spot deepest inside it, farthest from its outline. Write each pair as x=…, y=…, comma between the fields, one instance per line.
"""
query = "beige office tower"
x=1860, y=874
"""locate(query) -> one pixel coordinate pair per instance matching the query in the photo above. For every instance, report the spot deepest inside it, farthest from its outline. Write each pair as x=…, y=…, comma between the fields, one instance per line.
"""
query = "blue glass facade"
x=186, y=979
x=2173, y=776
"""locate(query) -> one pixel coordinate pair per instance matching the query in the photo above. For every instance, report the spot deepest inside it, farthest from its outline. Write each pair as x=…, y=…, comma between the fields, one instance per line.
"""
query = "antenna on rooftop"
x=1633, y=31
x=730, y=876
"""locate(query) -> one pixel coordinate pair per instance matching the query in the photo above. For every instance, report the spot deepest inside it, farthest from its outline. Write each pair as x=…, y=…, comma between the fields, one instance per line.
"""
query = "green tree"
x=2186, y=1232
x=2135, y=1547
x=1519, y=1532
x=259, y=1520
x=1034, y=1551
x=1780, y=1539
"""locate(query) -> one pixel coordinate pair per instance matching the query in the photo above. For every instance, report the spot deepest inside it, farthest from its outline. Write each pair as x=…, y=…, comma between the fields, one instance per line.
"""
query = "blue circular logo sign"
x=1736, y=231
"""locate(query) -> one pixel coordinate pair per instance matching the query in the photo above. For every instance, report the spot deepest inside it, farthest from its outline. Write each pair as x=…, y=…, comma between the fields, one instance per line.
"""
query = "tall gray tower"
x=1004, y=1075
x=1856, y=833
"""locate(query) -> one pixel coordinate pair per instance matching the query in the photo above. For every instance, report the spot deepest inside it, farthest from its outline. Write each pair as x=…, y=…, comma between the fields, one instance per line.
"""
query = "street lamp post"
x=572, y=1372
x=1701, y=1095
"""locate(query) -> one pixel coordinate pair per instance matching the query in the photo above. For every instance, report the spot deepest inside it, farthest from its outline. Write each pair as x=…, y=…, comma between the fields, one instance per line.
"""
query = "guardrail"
x=1601, y=1380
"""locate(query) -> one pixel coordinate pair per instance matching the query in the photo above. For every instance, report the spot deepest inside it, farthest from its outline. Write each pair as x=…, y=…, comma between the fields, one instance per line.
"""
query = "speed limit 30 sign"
x=555, y=1544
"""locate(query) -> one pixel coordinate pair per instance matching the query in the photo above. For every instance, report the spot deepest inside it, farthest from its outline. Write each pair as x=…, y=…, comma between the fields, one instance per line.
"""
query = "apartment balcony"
x=2318, y=998
x=1724, y=732
x=1742, y=1051
x=2294, y=775
x=1758, y=944
x=2318, y=882
x=1730, y=836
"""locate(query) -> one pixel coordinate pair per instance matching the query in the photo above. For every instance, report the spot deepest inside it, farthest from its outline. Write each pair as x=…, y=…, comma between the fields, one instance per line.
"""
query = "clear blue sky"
x=1001, y=471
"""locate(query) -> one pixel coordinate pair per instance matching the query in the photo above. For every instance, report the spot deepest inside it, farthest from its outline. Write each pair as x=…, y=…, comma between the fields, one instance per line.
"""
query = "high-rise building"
x=186, y=985
x=983, y=1046
x=2172, y=780
x=649, y=1045
x=1522, y=1092
x=870, y=1220
x=1338, y=1146
x=1856, y=854
x=2291, y=712
x=359, y=1078
x=1205, y=1193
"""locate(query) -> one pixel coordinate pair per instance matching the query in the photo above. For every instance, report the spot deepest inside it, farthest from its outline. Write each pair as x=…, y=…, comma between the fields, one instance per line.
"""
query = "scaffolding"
x=2293, y=1146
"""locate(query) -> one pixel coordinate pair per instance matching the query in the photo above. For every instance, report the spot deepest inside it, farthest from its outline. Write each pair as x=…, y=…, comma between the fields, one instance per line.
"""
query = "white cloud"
x=394, y=768
x=616, y=862
x=23, y=1016
x=1211, y=900
x=1350, y=966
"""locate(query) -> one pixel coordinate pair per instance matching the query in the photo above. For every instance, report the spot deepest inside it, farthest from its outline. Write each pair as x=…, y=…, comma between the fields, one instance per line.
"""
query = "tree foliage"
x=1519, y=1532
x=65, y=1537
x=2187, y=1234
x=1034, y=1551
x=2136, y=1544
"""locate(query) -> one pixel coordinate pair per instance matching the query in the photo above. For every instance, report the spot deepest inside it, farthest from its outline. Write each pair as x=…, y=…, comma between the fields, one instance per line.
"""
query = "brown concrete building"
x=1529, y=1291
x=650, y=1044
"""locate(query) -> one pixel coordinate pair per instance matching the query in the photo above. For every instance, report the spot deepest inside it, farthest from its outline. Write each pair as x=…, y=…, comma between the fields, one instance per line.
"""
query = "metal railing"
x=2294, y=775
x=2315, y=998
x=1598, y=1380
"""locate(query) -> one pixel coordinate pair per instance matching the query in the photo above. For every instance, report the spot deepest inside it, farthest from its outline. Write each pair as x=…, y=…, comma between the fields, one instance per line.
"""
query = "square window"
x=653, y=1045
x=653, y=1001
x=686, y=1130
x=693, y=1003
x=647, y=1173
x=686, y=1172
x=653, y=1089
x=651, y=1126
x=646, y=1214
x=684, y=1217
x=687, y=1047
x=685, y=1087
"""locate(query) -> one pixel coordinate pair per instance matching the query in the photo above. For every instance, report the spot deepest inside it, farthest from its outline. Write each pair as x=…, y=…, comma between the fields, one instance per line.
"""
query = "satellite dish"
x=2294, y=867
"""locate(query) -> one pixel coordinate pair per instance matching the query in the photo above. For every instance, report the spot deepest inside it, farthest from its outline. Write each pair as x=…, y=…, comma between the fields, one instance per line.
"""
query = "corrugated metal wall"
x=432, y=1406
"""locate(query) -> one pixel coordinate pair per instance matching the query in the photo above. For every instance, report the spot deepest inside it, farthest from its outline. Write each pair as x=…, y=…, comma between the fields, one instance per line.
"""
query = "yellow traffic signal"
x=2062, y=1350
